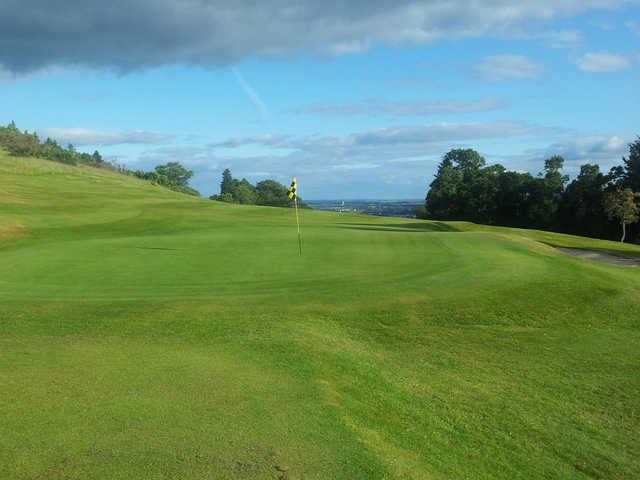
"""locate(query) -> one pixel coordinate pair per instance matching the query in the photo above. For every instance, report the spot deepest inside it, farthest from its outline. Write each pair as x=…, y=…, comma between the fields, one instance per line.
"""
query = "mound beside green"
x=148, y=334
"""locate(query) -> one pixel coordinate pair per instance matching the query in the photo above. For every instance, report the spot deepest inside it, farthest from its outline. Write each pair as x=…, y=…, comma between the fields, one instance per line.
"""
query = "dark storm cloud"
x=132, y=34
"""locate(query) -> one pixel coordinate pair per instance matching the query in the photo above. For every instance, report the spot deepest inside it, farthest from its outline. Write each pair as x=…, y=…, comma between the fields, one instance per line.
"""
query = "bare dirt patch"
x=12, y=230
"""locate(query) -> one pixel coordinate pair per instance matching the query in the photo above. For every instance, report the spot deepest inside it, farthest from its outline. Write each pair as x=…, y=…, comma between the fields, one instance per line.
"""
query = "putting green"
x=148, y=334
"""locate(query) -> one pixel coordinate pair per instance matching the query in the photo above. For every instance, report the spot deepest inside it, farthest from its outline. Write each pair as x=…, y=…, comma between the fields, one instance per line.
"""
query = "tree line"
x=266, y=192
x=594, y=204
x=25, y=144
x=172, y=175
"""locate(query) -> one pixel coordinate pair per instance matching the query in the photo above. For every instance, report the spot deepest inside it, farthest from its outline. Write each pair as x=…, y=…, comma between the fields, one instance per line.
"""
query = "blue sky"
x=358, y=99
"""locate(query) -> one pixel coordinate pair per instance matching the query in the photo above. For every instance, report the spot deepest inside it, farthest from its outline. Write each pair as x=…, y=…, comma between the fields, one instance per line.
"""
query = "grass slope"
x=148, y=334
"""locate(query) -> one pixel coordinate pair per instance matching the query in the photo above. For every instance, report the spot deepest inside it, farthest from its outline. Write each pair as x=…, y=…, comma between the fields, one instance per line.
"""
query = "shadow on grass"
x=413, y=227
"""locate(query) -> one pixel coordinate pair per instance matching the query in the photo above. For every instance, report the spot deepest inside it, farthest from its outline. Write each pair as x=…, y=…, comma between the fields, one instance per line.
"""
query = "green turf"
x=148, y=334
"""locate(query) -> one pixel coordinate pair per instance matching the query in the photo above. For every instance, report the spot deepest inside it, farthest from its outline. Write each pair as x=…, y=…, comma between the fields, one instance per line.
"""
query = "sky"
x=357, y=99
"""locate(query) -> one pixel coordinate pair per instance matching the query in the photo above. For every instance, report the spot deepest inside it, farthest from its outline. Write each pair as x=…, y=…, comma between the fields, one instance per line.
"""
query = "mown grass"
x=148, y=334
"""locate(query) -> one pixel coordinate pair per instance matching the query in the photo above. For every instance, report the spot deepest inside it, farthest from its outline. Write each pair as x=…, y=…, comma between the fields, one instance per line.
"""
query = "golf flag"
x=292, y=192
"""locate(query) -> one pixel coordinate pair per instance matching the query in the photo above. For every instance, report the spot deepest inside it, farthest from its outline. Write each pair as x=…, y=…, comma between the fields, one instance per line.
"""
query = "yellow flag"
x=292, y=192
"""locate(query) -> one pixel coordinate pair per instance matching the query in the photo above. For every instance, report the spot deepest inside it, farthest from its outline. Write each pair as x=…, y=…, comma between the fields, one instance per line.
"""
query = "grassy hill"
x=148, y=334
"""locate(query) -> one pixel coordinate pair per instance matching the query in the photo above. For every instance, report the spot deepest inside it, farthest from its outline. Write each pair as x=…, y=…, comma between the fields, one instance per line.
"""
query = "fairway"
x=149, y=334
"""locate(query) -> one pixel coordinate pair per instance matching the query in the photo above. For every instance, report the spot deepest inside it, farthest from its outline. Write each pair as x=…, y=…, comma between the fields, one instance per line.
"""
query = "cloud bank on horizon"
x=507, y=76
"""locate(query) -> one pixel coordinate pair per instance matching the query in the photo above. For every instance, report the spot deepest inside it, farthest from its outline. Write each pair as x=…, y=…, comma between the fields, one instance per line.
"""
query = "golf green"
x=148, y=334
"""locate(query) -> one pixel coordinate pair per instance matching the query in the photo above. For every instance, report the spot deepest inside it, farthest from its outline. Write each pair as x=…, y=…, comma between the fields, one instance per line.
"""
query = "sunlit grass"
x=148, y=334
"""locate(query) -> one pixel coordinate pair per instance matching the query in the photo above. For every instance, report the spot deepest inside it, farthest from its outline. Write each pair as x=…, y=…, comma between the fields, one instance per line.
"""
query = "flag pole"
x=295, y=201
x=292, y=193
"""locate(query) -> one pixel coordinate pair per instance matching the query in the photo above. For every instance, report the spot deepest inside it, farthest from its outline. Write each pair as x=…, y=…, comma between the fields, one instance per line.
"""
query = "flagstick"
x=295, y=201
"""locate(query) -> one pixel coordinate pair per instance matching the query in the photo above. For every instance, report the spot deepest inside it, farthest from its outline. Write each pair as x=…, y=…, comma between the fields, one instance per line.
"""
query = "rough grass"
x=148, y=334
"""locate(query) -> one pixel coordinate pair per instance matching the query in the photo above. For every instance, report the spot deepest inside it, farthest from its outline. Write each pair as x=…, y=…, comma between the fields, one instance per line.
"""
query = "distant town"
x=384, y=208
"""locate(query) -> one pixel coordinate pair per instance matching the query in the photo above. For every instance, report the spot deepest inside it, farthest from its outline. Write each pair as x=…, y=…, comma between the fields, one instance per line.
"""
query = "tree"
x=467, y=159
x=483, y=189
x=582, y=205
x=176, y=174
x=512, y=199
x=272, y=193
x=620, y=205
x=443, y=191
x=553, y=178
x=632, y=167
x=469, y=163
x=226, y=186
x=267, y=192
x=245, y=193
x=545, y=193
x=96, y=158
x=450, y=195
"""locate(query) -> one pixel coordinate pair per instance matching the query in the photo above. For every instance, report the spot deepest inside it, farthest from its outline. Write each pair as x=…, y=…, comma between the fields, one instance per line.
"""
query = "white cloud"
x=439, y=132
x=603, y=150
x=384, y=144
x=508, y=67
x=602, y=62
x=596, y=147
x=560, y=39
x=415, y=108
x=83, y=136
x=355, y=166
x=360, y=150
x=267, y=139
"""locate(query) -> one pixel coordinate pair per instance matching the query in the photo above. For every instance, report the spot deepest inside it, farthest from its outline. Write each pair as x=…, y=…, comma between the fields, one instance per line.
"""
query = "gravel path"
x=600, y=257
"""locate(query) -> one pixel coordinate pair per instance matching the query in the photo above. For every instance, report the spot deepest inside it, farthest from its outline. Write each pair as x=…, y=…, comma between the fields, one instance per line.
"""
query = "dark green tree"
x=512, y=198
x=272, y=193
x=226, y=186
x=544, y=194
x=457, y=193
x=484, y=186
x=442, y=196
x=581, y=208
x=632, y=167
x=467, y=160
x=554, y=180
x=175, y=173
x=267, y=192
x=245, y=193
